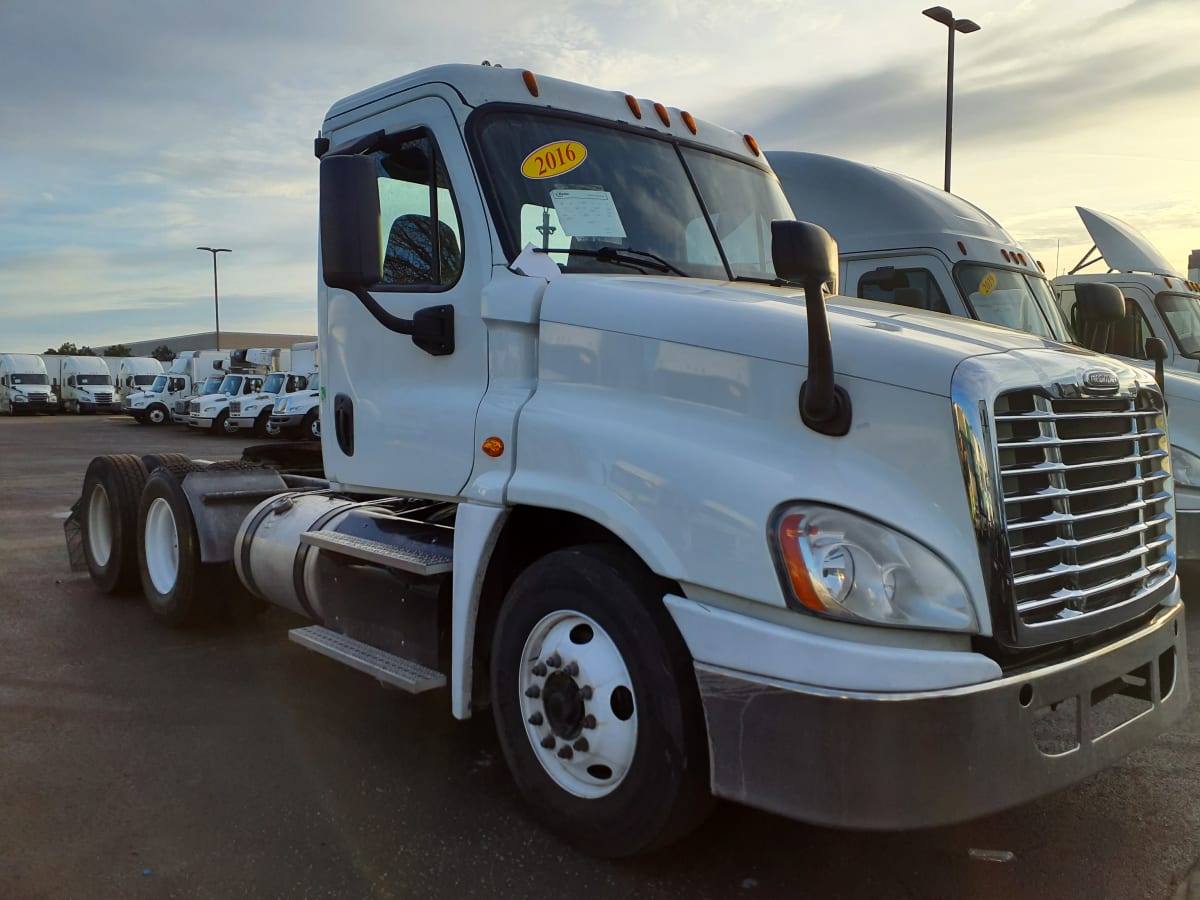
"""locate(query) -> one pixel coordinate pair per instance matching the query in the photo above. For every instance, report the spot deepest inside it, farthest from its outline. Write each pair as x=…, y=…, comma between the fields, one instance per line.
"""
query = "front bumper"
x=906, y=760
x=111, y=408
x=241, y=422
x=35, y=406
x=200, y=422
x=289, y=421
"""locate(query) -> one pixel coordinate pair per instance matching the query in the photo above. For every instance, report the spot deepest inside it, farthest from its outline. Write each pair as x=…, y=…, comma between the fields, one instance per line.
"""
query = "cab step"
x=405, y=553
x=394, y=670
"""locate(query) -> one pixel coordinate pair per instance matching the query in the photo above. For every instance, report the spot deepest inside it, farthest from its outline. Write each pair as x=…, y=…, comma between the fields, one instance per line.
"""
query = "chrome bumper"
x=199, y=422
x=875, y=760
x=290, y=421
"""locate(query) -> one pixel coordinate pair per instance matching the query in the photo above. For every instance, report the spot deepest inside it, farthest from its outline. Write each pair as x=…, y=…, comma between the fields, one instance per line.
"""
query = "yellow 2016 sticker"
x=554, y=159
x=988, y=284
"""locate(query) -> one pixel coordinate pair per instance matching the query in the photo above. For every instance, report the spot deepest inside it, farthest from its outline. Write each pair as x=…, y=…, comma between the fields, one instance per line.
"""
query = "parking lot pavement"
x=136, y=761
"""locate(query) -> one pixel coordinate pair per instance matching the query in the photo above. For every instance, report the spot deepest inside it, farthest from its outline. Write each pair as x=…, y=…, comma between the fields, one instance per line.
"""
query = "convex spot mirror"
x=803, y=253
x=350, y=222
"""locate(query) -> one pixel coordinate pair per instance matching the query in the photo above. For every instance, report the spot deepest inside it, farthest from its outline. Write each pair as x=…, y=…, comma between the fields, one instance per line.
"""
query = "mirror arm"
x=431, y=328
x=824, y=405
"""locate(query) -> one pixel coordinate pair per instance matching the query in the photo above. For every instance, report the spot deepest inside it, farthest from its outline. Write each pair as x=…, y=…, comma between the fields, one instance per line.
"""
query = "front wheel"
x=596, y=704
x=157, y=415
x=311, y=427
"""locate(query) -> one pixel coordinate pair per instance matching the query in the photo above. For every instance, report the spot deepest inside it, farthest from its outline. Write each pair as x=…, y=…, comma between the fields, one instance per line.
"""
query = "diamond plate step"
x=406, y=554
x=403, y=673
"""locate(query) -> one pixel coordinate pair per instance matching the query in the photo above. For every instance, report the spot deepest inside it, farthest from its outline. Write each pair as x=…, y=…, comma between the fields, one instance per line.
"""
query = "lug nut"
x=548, y=742
x=581, y=745
x=572, y=669
x=535, y=719
x=533, y=692
x=586, y=692
x=540, y=670
x=589, y=721
x=554, y=661
x=565, y=752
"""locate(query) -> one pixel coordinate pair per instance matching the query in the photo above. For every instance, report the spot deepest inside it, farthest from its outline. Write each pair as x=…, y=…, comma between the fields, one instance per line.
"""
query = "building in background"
x=230, y=340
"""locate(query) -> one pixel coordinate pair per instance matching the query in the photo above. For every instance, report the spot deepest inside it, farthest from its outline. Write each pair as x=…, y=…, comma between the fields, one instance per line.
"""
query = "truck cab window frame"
x=872, y=285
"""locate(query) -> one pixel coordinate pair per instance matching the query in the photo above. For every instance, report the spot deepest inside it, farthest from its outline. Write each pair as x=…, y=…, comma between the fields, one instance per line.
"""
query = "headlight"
x=52, y=399
x=838, y=564
x=209, y=409
x=20, y=398
x=1185, y=467
x=281, y=406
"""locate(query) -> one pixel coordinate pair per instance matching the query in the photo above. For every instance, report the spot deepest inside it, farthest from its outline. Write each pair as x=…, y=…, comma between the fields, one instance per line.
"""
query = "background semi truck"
x=905, y=242
x=25, y=385
x=245, y=378
x=154, y=404
x=136, y=373
x=84, y=384
x=684, y=525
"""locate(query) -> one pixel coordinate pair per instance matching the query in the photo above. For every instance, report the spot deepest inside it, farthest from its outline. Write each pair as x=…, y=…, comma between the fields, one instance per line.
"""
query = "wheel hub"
x=563, y=699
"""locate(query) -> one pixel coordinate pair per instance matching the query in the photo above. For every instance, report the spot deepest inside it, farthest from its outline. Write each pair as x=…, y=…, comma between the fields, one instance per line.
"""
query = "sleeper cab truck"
x=25, y=385
x=84, y=385
x=136, y=373
x=602, y=458
x=905, y=242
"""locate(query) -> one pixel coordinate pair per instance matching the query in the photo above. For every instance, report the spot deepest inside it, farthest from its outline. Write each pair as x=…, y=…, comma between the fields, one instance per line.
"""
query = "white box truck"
x=687, y=526
x=247, y=371
x=154, y=405
x=298, y=414
x=84, y=384
x=905, y=242
x=136, y=373
x=25, y=385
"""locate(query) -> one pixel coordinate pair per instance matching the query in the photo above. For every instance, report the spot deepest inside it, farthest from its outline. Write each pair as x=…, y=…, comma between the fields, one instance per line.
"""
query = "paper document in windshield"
x=590, y=214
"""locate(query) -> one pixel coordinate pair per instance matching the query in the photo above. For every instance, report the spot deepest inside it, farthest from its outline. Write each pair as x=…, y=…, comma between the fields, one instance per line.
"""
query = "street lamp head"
x=965, y=26
x=940, y=14
x=215, y=250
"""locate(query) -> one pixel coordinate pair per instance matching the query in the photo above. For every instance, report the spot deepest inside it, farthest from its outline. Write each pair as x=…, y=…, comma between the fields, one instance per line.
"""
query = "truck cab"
x=136, y=373
x=181, y=410
x=253, y=412
x=604, y=459
x=25, y=385
x=211, y=411
x=85, y=385
x=156, y=404
x=299, y=413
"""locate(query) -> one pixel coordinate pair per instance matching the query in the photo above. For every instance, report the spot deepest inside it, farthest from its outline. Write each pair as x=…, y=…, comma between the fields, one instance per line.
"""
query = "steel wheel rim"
x=157, y=416
x=100, y=536
x=162, y=546
x=578, y=704
x=315, y=428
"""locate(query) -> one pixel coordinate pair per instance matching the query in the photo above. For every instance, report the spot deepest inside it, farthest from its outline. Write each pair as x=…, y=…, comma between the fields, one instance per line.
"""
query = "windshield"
x=274, y=383
x=212, y=384
x=569, y=185
x=230, y=386
x=1012, y=299
x=1182, y=312
x=93, y=380
x=160, y=385
x=314, y=382
x=144, y=379
x=30, y=379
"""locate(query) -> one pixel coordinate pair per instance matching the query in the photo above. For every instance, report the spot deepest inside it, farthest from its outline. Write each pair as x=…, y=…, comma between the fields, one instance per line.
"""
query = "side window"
x=71, y=381
x=915, y=288
x=1128, y=337
x=422, y=238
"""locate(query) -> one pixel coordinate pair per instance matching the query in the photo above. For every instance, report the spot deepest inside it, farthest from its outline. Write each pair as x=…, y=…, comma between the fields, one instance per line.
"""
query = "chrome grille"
x=195, y=408
x=1086, y=501
x=181, y=407
x=104, y=398
x=235, y=407
x=38, y=398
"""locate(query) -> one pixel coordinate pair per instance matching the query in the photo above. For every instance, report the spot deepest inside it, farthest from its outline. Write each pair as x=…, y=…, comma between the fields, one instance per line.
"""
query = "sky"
x=136, y=130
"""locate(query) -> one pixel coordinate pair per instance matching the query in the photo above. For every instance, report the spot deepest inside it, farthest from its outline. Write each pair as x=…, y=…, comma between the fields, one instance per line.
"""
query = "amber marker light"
x=493, y=447
x=1004, y=253
x=752, y=144
x=1040, y=266
x=689, y=121
x=634, y=106
x=962, y=248
x=1167, y=280
x=530, y=82
x=791, y=529
x=663, y=114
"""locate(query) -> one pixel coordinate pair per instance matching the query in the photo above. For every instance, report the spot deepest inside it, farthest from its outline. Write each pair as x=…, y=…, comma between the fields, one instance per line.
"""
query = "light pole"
x=216, y=303
x=966, y=26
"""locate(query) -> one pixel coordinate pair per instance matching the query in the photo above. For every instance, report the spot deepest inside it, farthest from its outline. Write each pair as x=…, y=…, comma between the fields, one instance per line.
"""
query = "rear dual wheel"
x=112, y=487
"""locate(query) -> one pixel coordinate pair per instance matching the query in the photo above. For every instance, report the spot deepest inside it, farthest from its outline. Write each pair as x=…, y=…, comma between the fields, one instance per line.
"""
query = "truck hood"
x=875, y=341
x=212, y=398
x=1124, y=247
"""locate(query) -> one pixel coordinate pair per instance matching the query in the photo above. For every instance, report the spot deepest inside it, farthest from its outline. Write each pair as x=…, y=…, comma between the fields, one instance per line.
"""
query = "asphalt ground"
x=136, y=761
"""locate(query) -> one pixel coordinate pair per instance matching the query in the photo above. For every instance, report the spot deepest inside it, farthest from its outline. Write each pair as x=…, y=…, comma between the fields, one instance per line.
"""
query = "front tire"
x=310, y=428
x=596, y=704
x=218, y=425
x=157, y=415
x=112, y=488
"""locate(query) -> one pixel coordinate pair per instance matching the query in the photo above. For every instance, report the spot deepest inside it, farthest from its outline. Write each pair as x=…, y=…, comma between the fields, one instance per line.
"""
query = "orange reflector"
x=663, y=114
x=1167, y=280
x=1004, y=253
x=1023, y=262
x=752, y=144
x=530, y=82
x=688, y=121
x=493, y=446
x=1040, y=266
x=634, y=106
x=791, y=529
x=962, y=248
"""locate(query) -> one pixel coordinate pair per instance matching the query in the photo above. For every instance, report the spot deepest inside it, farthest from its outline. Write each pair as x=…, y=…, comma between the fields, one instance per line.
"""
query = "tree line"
x=162, y=352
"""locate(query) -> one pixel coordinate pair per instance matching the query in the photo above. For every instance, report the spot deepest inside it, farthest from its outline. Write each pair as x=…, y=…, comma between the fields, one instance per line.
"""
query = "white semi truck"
x=903, y=241
x=136, y=373
x=298, y=414
x=84, y=384
x=594, y=460
x=181, y=410
x=154, y=405
x=247, y=371
x=25, y=385
x=253, y=412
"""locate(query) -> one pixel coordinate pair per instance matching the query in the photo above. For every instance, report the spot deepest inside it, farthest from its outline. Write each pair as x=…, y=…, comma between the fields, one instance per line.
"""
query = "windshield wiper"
x=622, y=256
x=777, y=282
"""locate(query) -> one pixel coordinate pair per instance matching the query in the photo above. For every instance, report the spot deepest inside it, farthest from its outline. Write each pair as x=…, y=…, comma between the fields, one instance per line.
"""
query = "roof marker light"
x=962, y=248
x=1041, y=267
x=1004, y=253
x=634, y=106
x=1167, y=280
x=530, y=82
x=663, y=114
x=752, y=144
x=688, y=121
x=1021, y=256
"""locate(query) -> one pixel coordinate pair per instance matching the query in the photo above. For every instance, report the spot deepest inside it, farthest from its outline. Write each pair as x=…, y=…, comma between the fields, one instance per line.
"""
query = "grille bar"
x=1141, y=574
x=1077, y=569
x=1064, y=543
x=1047, y=467
x=1051, y=492
x=1069, y=518
x=1038, y=415
x=1043, y=441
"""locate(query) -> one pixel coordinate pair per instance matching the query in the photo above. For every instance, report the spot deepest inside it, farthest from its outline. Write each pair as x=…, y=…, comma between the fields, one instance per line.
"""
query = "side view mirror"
x=1156, y=349
x=805, y=254
x=1097, y=307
